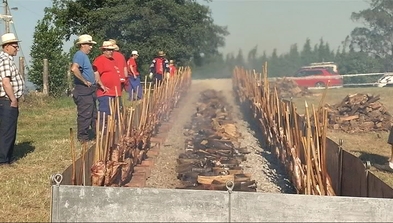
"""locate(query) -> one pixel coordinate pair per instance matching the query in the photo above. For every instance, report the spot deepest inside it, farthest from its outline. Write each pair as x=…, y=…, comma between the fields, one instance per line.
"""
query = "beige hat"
x=85, y=39
x=114, y=44
x=108, y=45
x=161, y=53
x=171, y=61
x=8, y=38
x=134, y=52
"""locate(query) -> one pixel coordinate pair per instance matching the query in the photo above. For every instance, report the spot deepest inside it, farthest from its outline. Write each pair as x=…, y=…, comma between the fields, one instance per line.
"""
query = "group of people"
x=106, y=78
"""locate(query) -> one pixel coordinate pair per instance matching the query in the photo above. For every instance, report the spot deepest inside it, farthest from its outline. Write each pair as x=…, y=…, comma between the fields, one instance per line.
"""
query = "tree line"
x=186, y=30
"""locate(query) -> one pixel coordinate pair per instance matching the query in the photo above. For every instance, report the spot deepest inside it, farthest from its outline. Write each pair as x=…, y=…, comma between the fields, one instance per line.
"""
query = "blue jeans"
x=103, y=104
x=135, y=87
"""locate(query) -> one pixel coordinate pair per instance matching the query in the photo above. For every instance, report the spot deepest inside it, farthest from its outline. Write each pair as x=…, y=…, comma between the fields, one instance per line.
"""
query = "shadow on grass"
x=373, y=158
x=22, y=149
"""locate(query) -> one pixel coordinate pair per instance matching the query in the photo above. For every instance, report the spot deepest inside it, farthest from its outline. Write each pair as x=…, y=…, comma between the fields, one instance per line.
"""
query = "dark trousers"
x=158, y=79
x=85, y=100
x=8, y=125
x=135, y=88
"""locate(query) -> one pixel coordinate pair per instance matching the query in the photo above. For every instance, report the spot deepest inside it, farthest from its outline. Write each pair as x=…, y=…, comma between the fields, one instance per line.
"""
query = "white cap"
x=134, y=52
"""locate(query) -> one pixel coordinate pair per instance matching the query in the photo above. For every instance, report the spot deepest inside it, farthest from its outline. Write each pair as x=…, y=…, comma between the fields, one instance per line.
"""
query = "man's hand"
x=103, y=88
x=151, y=76
x=14, y=103
x=87, y=83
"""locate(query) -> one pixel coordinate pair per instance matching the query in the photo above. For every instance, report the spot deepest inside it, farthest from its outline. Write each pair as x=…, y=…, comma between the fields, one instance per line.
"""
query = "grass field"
x=43, y=149
x=371, y=146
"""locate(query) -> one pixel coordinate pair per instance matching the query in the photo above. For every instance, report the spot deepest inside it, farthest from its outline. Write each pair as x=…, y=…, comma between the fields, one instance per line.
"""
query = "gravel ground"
x=261, y=164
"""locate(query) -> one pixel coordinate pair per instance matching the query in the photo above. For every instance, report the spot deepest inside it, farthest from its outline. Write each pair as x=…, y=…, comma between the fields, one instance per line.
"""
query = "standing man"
x=389, y=165
x=84, y=93
x=134, y=77
x=11, y=89
x=172, y=69
x=121, y=64
x=159, y=67
x=105, y=67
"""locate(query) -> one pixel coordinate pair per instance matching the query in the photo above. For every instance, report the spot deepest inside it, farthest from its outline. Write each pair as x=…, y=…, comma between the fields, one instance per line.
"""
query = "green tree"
x=48, y=44
x=252, y=61
x=184, y=29
x=376, y=37
x=307, y=54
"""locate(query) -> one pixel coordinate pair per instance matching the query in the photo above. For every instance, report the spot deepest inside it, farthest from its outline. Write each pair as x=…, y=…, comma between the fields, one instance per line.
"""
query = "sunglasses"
x=15, y=46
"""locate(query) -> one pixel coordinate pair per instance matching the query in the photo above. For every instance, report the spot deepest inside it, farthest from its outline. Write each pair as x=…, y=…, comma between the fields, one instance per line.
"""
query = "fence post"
x=69, y=77
x=45, y=74
x=22, y=67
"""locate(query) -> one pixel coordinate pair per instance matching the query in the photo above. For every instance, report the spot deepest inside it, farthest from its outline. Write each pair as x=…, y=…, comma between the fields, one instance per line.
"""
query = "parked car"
x=385, y=80
x=317, y=78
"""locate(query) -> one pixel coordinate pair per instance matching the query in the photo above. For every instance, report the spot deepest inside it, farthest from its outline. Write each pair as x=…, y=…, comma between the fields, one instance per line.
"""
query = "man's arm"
x=5, y=74
x=75, y=70
x=152, y=66
x=98, y=78
x=125, y=72
x=9, y=91
x=166, y=62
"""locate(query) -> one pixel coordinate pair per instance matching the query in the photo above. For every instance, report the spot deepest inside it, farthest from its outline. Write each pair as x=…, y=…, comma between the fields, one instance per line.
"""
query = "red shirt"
x=109, y=74
x=172, y=70
x=120, y=61
x=132, y=63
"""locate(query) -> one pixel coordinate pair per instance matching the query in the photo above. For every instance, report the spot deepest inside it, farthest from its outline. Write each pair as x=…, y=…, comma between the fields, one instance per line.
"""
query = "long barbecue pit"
x=213, y=156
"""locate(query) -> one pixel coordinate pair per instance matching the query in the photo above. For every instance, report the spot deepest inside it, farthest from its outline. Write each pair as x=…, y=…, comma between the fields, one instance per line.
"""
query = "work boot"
x=388, y=167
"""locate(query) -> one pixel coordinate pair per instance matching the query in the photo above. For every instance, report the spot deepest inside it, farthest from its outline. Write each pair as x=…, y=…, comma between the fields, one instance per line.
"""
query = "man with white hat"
x=84, y=93
x=134, y=77
x=105, y=67
x=11, y=89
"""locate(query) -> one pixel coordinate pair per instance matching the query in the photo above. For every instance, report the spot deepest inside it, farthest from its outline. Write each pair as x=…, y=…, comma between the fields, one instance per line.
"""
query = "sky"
x=267, y=23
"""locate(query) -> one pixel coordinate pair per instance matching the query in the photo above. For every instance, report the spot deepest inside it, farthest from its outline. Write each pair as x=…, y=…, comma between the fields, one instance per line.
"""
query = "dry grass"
x=370, y=146
x=42, y=147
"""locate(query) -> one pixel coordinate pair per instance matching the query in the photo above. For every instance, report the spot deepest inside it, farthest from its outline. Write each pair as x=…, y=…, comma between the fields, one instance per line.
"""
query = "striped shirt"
x=9, y=69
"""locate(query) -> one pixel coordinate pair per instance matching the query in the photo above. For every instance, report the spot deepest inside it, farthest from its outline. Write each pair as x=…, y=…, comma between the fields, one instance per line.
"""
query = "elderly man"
x=389, y=165
x=134, y=77
x=105, y=67
x=84, y=93
x=11, y=89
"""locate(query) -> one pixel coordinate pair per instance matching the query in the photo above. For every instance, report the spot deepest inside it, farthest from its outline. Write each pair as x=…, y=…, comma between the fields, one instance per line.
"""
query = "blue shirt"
x=85, y=67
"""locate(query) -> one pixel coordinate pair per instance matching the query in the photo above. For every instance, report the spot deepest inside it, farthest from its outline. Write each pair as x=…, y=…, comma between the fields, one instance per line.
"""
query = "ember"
x=213, y=156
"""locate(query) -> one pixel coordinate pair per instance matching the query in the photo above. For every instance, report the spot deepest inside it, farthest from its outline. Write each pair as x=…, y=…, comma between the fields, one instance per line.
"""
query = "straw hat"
x=108, y=45
x=134, y=52
x=85, y=39
x=8, y=38
x=114, y=44
x=171, y=61
x=161, y=53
